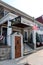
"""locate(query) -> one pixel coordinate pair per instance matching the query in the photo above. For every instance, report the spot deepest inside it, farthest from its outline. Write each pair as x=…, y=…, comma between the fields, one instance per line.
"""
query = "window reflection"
x=39, y=37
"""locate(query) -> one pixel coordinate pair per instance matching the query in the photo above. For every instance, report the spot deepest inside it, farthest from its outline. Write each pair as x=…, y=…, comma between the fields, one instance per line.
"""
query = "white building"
x=16, y=27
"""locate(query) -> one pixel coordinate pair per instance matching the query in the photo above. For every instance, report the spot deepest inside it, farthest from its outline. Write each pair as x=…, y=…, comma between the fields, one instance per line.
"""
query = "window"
x=0, y=30
x=38, y=37
x=26, y=36
x=41, y=37
x=1, y=11
x=31, y=38
x=6, y=12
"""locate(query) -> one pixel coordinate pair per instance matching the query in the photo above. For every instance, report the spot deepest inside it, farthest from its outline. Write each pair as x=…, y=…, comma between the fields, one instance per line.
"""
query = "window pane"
x=25, y=35
x=0, y=30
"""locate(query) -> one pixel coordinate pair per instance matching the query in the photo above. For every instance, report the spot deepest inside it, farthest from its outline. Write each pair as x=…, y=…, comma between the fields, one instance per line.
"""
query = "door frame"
x=13, y=45
x=20, y=46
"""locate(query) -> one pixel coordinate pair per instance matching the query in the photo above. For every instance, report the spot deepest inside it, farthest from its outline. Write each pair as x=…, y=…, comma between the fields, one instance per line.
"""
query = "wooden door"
x=17, y=46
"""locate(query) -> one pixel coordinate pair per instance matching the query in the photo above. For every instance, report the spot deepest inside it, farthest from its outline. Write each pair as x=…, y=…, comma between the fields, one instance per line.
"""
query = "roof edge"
x=16, y=10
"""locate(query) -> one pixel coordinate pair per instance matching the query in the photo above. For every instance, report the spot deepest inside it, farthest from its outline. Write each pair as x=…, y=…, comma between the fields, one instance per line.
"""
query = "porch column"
x=34, y=38
x=9, y=31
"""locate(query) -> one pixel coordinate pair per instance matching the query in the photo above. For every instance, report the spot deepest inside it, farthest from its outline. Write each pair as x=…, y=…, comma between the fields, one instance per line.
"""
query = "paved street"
x=33, y=59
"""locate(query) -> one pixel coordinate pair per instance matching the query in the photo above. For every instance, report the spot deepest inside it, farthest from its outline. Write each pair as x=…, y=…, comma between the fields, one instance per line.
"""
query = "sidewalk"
x=33, y=59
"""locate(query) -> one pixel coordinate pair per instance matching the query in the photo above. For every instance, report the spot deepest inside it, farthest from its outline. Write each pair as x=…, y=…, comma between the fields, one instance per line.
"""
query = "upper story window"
x=1, y=11
x=6, y=12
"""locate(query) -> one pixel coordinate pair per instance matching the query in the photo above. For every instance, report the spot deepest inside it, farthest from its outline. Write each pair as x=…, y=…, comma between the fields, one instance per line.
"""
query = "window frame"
x=24, y=36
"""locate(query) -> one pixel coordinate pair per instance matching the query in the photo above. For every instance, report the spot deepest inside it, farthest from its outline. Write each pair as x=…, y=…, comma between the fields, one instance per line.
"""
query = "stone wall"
x=5, y=52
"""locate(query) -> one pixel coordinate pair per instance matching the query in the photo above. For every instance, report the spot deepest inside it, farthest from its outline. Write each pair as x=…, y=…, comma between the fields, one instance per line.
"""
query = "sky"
x=33, y=8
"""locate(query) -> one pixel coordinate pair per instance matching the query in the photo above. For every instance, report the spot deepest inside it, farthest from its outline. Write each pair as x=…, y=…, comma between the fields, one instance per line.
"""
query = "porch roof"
x=21, y=25
x=18, y=22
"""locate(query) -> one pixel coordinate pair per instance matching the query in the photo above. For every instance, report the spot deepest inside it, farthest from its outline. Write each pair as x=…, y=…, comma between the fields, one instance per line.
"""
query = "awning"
x=21, y=25
x=18, y=23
